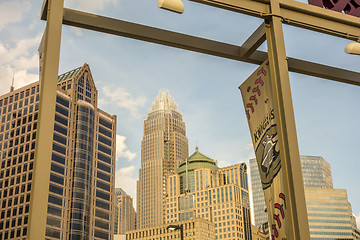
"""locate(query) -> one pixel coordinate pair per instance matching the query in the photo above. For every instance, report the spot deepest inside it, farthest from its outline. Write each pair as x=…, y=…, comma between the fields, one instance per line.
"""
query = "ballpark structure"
x=82, y=165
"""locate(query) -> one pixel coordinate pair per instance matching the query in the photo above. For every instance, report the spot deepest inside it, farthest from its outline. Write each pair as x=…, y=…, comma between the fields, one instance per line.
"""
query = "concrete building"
x=124, y=212
x=316, y=173
x=82, y=165
x=163, y=147
x=199, y=189
x=193, y=229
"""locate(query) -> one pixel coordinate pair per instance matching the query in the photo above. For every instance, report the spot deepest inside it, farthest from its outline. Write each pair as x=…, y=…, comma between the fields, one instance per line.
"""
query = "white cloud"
x=125, y=179
x=91, y=5
x=358, y=220
x=18, y=60
x=122, y=98
x=12, y=11
x=122, y=150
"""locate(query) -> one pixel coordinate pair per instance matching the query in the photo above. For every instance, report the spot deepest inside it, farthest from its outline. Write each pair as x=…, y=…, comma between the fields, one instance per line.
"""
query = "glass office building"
x=82, y=166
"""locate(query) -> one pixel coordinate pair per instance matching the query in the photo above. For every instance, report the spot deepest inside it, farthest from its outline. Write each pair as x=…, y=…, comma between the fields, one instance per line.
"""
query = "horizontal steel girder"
x=196, y=44
x=297, y=14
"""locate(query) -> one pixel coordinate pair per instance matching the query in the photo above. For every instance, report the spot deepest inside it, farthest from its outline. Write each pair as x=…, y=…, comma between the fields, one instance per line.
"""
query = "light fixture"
x=353, y=48
x=172, y=5
x=177, y=227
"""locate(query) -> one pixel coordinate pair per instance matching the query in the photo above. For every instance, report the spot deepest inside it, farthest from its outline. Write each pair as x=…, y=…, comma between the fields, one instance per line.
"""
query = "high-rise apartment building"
x=82, y=166
x=316, y=173
x=163, y=147
x=199, y=189
x=124, y=212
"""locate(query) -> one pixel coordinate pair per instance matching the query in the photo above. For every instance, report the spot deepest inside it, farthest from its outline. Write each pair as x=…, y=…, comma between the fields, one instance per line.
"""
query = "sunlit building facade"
x=82, y=165
x=124, y=212
x=193, y=229
x=330, y=214
x=199, y=189
x=163, y=147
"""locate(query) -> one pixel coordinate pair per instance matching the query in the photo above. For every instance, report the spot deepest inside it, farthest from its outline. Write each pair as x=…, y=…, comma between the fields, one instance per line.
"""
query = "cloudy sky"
x=129, y=74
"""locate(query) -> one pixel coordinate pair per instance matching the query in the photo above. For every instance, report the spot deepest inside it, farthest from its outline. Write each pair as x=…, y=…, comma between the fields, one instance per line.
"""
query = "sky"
x=129, y=74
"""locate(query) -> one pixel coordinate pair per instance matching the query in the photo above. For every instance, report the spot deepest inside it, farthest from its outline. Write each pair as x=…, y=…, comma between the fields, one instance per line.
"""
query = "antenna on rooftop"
x=12, y=82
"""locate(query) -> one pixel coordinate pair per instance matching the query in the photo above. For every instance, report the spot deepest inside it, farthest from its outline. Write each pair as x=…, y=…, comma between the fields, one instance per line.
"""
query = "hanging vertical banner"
x=258, y=103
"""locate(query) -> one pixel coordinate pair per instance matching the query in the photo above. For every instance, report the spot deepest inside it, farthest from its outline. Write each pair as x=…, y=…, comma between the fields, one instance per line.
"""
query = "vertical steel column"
x=297, y=225
x=43, y=150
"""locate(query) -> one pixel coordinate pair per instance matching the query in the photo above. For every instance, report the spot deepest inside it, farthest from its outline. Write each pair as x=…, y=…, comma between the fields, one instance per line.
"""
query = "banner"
x=258, y=103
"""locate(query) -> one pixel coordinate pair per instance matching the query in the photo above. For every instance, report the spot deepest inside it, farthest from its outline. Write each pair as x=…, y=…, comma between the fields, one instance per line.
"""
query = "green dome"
x=195, y=161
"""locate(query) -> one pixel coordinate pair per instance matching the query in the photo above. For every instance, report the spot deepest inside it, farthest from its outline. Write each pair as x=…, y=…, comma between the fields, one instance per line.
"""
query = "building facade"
x=316, y=173
x=330, y=214
x=82, y=165
x=124, y=212
x=193, y=229
x=199, y=189
x=163, y=147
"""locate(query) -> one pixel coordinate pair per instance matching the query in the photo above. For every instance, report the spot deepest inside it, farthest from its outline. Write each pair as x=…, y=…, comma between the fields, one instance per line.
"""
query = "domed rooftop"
x=119, y=192
x=195, y=161
x=163, y=102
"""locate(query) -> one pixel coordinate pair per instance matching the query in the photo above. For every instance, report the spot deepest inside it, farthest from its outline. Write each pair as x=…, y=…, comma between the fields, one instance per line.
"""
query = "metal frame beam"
x=254, y=41
x=297, y=14
x=173, y=39
x=49, y=52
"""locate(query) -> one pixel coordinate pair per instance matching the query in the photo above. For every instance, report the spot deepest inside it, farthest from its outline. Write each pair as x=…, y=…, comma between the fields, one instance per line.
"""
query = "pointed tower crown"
x=164, y=102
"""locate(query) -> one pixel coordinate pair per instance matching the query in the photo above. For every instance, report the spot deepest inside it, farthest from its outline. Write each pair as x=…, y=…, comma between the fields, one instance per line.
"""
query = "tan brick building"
x=194, y=229
x=200, y=189
x=82, y=165
x=124, y=212
x=163, y=147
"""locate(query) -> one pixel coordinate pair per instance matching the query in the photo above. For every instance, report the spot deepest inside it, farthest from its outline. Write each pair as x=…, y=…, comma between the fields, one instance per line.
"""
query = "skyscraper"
x=163, y=147
x=82, y=165
x=316, y=173
x=124, y=212
x=200, y=189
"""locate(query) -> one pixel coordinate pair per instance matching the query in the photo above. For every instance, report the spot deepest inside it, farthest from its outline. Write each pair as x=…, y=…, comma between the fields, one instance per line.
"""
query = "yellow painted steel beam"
x=44, y=135
x=297, y=226
x=297, y=14
x=197, y=44
x=253, y=42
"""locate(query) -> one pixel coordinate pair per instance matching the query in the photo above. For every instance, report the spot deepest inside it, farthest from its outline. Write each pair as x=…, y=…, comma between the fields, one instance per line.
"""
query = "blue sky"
x=129, y=74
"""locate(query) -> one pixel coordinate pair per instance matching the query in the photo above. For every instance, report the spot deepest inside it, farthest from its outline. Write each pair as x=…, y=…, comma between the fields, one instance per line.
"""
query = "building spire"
x=164, y=102
x=12, y=82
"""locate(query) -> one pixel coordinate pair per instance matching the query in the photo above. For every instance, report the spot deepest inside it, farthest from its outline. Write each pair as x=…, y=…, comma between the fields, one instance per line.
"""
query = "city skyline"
x=129, y=74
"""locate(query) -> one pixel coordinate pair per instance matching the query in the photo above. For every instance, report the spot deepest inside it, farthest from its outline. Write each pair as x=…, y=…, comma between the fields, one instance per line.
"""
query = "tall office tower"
x=163, y=147
x=82, y=165
x=316, y=173
x=330, y=214
x=199, y=189
x=124, y=212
